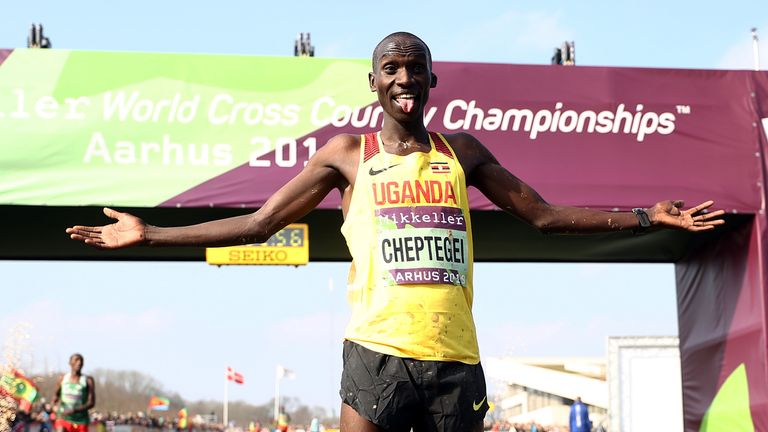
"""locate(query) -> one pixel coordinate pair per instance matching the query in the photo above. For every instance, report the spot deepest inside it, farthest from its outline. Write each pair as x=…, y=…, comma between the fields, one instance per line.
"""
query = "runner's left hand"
x=669, y=214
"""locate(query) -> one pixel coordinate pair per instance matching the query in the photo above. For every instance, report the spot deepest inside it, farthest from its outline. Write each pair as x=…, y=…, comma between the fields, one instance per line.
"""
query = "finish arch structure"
x=182, y=138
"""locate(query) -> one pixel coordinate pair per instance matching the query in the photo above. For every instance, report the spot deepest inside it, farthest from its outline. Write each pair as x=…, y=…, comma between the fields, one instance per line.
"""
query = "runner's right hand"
x=127, y=231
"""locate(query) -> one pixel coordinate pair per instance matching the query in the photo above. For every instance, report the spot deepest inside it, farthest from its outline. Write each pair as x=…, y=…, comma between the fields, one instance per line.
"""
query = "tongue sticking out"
x=406, y=104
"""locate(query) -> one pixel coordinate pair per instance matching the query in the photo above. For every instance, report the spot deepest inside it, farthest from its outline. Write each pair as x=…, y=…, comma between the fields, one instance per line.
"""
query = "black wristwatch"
x=642, y=218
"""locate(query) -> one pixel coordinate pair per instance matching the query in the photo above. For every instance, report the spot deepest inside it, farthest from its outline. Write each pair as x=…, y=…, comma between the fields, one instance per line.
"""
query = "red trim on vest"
x=371, y=148
x=440, y=145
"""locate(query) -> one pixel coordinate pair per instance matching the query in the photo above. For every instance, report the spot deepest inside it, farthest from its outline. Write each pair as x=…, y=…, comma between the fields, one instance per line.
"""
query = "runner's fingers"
x=707, y=223
x=702, y=228
x=708, y=216
x=80, y=238
x=84, y=229
x=97, y=243
x=83, y=234
x=717, y=213
x=703, y=206
x=86, y=234
x=713, y=222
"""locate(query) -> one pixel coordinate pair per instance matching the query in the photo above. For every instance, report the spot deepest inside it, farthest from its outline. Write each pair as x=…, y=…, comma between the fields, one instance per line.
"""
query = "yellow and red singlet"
x=409, y=233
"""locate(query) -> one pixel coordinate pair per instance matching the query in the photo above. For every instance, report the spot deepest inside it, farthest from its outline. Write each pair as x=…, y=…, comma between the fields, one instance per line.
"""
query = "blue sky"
x=648, y=33
x=183, y=323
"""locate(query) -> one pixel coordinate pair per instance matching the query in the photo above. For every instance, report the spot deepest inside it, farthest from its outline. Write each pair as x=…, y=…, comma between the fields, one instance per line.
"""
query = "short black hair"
x=398, y=35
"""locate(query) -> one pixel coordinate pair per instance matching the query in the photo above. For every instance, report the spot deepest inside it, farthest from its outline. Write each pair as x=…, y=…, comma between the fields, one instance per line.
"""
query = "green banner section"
x=135, y=129
x=730, y=408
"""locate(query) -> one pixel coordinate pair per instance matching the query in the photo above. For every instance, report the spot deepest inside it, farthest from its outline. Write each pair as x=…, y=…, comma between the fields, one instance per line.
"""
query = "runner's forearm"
x=574, y=220
x=238, y=230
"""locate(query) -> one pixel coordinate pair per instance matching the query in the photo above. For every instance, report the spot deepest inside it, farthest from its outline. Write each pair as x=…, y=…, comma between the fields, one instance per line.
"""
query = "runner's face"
x=76, y=363
x=402, y=78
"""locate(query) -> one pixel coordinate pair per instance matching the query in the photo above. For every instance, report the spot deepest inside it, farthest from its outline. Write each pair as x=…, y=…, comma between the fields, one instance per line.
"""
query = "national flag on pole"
x=285, y=373
x=14, y=384
x=235, y=376
x=157, y=403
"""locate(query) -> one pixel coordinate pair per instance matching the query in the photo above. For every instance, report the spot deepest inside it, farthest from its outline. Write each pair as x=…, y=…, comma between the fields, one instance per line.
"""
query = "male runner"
x=75, y=395
x=410, y=353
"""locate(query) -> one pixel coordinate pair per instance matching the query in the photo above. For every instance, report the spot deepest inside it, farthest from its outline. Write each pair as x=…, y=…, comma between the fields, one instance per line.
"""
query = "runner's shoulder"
x=346, y=139
x=342, y=145
x=462, y=139
x=468, y=149
x=340, y=149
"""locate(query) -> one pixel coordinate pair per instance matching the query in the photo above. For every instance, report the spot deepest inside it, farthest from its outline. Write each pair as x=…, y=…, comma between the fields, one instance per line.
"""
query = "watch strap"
x=644, y=222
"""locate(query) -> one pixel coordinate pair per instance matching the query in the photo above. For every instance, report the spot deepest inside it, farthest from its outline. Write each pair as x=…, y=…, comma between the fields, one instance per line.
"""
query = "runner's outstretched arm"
x=294, y=200
x=513, y=195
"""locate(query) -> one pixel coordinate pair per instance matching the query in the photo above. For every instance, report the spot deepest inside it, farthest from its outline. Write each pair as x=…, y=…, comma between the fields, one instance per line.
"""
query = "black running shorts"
x=399, y=393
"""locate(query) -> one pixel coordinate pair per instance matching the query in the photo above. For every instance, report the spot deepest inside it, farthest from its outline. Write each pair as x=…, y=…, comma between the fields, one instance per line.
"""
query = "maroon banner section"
x=587, y=136
x=721, y=308
x=760, y=97
x=722, y=302
x=4, y=53
x=611, y=137
x=242, y=187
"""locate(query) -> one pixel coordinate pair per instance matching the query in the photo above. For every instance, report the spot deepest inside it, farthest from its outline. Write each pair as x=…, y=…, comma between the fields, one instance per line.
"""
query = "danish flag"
x=234, y=376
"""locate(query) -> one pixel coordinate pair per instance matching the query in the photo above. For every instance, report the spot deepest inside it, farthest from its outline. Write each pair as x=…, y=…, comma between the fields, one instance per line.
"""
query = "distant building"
x=543, y=389
x=641, y=372
x=645, y=376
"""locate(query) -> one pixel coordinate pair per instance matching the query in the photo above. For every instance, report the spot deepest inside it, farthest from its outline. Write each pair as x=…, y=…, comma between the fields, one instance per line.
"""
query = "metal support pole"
x=755, y=49
x=226, y=402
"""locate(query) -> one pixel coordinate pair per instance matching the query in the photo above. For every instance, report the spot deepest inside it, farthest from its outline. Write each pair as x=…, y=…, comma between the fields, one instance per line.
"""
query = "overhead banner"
x=136, y=129
x=146, y=130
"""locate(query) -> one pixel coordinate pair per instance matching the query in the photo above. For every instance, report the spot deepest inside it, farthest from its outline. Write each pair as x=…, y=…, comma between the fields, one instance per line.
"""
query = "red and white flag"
x=234, y=376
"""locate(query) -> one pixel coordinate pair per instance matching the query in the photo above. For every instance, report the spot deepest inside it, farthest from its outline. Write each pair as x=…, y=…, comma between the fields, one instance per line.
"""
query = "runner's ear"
x=371, y=81
x=433, y=84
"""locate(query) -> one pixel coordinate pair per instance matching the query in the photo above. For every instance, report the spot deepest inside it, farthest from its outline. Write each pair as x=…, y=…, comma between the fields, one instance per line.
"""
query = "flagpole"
x=226, y=402
x=277, y=393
